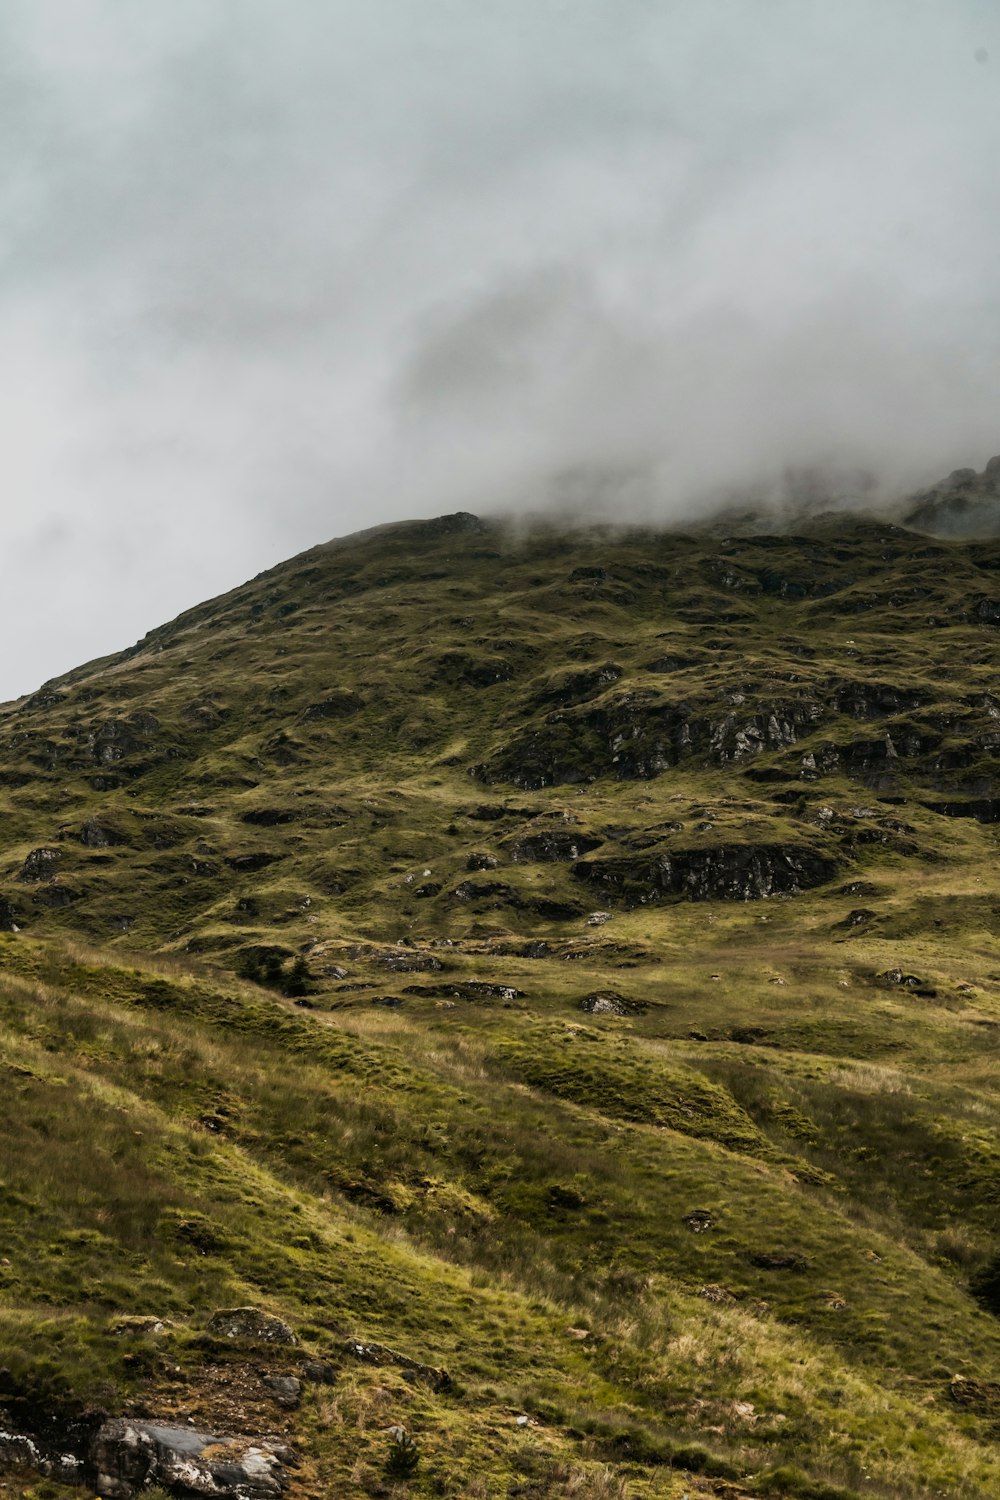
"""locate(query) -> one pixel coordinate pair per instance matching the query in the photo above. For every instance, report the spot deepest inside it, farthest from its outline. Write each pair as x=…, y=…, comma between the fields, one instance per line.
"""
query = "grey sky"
x=270, y=273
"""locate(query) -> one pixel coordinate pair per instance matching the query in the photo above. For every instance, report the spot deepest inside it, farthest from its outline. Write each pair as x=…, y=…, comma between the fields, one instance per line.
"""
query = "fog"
x=275, y=273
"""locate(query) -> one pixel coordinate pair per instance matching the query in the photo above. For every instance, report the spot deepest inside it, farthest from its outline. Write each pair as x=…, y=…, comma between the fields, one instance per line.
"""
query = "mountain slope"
x=568, y=958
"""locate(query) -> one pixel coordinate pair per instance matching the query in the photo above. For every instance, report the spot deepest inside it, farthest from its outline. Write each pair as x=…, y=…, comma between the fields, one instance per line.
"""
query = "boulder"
x=40, y=864
x=286, y=1390
x=610, y=1003
x=249, y=1325
x=128, y=1456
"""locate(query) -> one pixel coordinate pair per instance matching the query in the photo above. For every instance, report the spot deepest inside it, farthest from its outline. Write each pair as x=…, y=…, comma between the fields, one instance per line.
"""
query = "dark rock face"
x=409, y=963
x=964, y=504
x=247, y=863
x=778, y=1260
x=552, y=846
x=96, y=834
x=129, y=1456
x=249, y=1325
x=636, y=737
x=576, y=687
x=467, y=989
x=10, y=920
x=40, y=864
x=286, y=1390
x=269, y=817
x=119, y=739
x=477, y=861
x=342, y=705
x=912, y=982
x=55, y=896
x=727, y=872
x=983, y=809
x=495, y=893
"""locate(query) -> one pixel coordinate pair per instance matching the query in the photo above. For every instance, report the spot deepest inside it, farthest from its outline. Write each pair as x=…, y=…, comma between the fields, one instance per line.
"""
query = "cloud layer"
x=275, y=273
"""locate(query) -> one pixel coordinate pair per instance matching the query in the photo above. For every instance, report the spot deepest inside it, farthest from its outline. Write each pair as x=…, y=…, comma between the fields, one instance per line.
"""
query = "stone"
x=249, y=1325
x=40, y=864
x=480, y=861
x=379, y=1356
x=128, y=1456
x=699, y=1220
x=778, y=1260
x=286, y=1390
x=610, y=1003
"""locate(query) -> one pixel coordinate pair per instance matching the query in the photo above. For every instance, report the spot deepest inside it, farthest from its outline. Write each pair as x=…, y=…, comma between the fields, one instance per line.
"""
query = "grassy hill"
x=556, y=973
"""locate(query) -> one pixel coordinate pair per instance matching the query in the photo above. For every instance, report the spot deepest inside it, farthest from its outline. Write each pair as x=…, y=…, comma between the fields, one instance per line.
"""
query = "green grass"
x=765, y=1200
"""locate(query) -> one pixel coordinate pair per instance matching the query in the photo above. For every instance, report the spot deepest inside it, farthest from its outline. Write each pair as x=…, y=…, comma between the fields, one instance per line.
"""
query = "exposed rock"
x=319, y=1371
x=610, y=1003
x=575, y=687
x=98, y=834
x=598, y=918
x=699, y=1220
x=342, y=705
x=551, y=845
x=379, y=1355
x=983, y=809
x=286, y=1390
x=913, y=982
x=249, y=1325
x=409, y=963
x=965, y=504
x=978, y=1395
x=477, y=861
x=778, y=1260
x=118, y=739
x=10, y=918
x=858, y=917
x=55, y=896
x=468, y=989
x=259, y=859
x=269, y=817
x=723, y=872
x=40, y=864
x=128, y=1456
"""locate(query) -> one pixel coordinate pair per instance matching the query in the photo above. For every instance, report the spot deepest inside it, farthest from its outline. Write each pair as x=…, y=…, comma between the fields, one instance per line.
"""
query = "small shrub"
x=404, y=1455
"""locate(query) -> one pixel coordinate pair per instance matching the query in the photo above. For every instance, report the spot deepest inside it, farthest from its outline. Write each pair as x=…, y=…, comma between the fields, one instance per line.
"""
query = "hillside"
x=554, y=974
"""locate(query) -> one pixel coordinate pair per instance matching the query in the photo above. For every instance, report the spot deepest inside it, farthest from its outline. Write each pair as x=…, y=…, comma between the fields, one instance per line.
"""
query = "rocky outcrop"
x=342, y=705
x=413, y=1369
x=610, y=1003
x=129, y=1456
x=125, y=1456
x=120, y=739
x=723, y=872
x=40, y=864
x=965, y=504
x=551, y=845
x=249, y=1325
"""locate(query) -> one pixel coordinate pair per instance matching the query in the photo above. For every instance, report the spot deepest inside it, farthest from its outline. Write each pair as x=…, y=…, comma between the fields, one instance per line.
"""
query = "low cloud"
x=272, y=275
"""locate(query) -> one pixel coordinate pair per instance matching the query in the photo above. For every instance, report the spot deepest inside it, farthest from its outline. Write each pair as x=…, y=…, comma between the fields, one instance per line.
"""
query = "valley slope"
x=566, y=959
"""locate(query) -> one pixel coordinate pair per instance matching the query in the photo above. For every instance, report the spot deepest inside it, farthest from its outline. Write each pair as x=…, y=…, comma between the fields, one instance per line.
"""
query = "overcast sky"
x=271, y=273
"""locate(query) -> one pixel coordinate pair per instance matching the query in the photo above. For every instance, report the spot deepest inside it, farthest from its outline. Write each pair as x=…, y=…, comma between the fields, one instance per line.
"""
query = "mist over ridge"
x=268, y=283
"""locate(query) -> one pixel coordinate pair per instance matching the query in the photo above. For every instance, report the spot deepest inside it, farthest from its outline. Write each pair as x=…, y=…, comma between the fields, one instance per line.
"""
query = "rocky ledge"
x=725, y=872
x=124, y=1457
